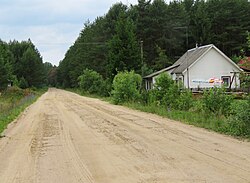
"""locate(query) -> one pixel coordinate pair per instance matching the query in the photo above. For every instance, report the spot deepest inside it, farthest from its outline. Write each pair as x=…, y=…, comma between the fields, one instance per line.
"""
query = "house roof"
x=245, y=64
x=161, y=71
x=190, y=57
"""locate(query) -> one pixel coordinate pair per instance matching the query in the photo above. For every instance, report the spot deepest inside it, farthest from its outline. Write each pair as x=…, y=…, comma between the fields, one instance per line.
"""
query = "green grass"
x=86, y=94
x=199, y=119
x=14, y=101
x=196, y=116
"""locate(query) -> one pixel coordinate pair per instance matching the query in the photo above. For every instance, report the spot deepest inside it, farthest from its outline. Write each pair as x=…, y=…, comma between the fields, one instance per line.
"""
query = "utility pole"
x=187, y=57
x=142, y=73
x=186, y=27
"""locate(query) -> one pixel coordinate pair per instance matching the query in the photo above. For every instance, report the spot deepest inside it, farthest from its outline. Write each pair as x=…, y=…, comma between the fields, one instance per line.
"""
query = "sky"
x=52, y=25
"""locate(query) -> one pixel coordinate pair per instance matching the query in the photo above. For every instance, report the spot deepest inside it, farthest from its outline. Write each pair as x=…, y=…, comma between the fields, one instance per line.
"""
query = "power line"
x=88, y=43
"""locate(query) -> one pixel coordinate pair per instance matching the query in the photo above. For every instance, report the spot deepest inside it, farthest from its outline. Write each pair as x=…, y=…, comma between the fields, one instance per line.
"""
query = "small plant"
x=126, y=87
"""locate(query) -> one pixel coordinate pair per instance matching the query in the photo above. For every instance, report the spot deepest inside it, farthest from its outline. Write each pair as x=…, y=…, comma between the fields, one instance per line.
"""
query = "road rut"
x=67, y=138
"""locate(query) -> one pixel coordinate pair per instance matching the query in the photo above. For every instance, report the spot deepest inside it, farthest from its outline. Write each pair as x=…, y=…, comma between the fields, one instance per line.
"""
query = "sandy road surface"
x=65, y=138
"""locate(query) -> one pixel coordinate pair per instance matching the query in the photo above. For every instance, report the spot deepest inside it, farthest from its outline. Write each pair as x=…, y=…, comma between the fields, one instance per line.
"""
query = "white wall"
x=211, y=65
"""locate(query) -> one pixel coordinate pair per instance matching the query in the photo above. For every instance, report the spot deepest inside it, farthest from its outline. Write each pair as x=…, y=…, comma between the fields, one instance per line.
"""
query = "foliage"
x=14, y=101
x=248, y=40
x=145, y=70
x=52, y=77
x=126, y=87
x=189, y=117
x=162, y=60
x=111, y=42
x=237, y=124
x=216, y=101
x=91, y=81
x=4, y=74
x=32, y=68
x=124, y=52
x=185, y=100
x=239, y=120
x=19, y=62
x=165, y=91
x=245, y=81
x=5, y=65
x=23, y=83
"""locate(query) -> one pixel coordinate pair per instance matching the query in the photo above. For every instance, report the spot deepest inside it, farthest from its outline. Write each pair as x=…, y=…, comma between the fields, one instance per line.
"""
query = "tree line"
x=152, y=34
x=21, y=65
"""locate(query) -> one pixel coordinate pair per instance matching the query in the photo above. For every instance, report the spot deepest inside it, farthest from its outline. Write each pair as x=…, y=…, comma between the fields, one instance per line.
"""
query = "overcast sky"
x=52, y=25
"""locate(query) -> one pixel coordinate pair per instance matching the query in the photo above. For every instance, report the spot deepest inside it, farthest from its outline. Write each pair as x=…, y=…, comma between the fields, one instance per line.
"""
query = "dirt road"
x=65, y=138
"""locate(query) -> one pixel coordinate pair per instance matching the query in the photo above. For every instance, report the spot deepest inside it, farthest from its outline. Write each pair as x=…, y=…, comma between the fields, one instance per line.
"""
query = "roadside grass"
x=222, y=124
x=196, y=116
x=14, y=101
x=86, y=94
x=199, y=119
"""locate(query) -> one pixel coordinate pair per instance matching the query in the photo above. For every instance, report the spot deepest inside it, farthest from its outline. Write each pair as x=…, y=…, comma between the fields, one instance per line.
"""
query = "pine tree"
x=5, y=65
x=124, y=50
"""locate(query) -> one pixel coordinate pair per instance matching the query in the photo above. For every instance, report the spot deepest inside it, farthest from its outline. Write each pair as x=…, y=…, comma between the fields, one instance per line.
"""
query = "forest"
x=153, y=34
x=22, y=65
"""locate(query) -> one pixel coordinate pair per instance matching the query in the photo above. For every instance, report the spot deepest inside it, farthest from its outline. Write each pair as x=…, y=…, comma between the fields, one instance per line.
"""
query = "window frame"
x=229, y=80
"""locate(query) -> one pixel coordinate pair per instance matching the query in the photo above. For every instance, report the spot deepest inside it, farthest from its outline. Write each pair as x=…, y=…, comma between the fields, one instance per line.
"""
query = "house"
x=201, y=67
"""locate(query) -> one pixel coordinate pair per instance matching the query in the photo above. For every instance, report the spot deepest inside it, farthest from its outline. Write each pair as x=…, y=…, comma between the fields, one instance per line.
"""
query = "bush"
x=126, y=87
x=239, y=120
x=106, y=88
x=185, y=100
x=91, y=81
x=165, y=91
x=217, y=101
x=198, y=106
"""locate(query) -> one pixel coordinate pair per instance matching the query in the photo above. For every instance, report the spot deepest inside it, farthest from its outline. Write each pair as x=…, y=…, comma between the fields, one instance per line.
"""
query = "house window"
x=148, y=84
x=226, y=80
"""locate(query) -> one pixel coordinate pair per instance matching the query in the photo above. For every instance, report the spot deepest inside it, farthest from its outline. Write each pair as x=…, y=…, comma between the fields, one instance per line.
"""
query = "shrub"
x=239, y=120
x=198, y=106
x=217, y=101
x=106, y=88
x=91, y=81
x=185, y=100
x=165, y=91
x=126, y=87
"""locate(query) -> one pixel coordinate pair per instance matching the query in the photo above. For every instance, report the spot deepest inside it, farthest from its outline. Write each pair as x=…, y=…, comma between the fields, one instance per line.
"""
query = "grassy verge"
x=203, y=120
x=198, y=118
x=220, y=124
x=211, y=122
x=86, y=94
x=14, y=101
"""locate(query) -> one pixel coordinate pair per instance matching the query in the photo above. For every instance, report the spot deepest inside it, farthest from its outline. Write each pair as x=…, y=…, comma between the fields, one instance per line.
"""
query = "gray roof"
x=185, y=61
x=160, y=71
x=190, y=57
